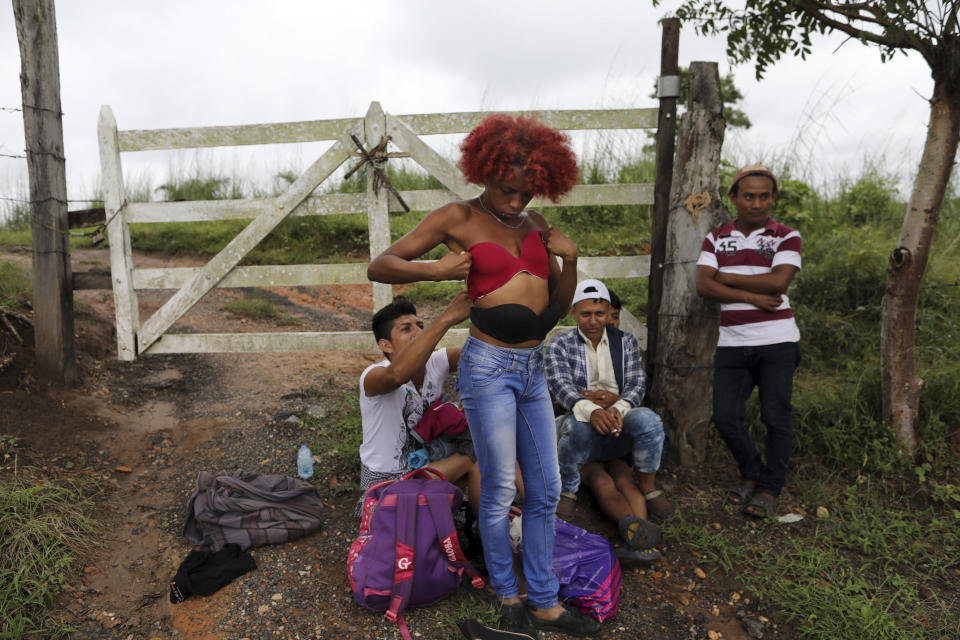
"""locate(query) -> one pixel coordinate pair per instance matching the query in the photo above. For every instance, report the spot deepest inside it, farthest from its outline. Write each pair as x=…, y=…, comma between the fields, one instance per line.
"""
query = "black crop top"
x=515, y=323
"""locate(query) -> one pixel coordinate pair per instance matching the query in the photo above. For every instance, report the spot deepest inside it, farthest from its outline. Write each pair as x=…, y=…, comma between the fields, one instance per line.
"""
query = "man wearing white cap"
x=596, y=374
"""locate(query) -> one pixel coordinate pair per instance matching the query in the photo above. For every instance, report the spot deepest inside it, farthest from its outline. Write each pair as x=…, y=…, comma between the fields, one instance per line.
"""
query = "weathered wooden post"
x=43, y=131
x=378, y=215
x=668, y=89
x=121, y=250
x=681, y=390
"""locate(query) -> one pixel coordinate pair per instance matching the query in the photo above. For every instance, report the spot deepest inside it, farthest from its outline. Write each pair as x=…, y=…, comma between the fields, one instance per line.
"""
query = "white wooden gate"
x=151, y=336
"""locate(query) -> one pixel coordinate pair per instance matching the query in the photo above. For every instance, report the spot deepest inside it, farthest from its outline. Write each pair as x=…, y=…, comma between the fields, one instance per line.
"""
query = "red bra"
x=493, y=265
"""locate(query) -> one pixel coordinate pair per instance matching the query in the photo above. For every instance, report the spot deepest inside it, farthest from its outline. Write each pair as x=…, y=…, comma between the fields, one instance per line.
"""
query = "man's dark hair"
x=615, y=300
x=383, y=320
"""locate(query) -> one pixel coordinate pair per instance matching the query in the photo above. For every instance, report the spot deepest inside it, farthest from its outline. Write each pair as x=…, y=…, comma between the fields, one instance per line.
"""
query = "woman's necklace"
x=497, y=218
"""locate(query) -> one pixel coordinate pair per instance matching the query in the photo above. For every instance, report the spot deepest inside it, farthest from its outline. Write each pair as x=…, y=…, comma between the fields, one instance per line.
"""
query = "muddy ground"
x=144, y=429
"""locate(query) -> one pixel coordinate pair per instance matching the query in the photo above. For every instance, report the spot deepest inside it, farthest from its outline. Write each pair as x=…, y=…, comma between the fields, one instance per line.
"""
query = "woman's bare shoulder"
x=452, y=212
x=537, y=219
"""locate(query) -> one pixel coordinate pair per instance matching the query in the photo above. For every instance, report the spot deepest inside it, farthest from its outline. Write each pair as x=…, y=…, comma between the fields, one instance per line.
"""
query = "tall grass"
x=45, y=531
x=15, y=287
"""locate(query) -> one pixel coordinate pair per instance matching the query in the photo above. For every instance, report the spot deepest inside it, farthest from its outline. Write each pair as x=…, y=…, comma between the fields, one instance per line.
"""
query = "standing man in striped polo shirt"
x=747, y=265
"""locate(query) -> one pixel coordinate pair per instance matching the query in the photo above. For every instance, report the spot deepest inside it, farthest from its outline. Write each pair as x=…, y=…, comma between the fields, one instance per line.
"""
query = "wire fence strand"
x=32, y=107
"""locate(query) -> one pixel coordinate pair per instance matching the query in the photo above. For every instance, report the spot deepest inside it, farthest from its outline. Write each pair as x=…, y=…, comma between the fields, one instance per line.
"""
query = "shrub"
x=870, y=199
x=15, y=289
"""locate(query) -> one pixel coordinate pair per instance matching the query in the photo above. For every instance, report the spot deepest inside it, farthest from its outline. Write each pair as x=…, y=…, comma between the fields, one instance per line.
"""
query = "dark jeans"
x=737, y=370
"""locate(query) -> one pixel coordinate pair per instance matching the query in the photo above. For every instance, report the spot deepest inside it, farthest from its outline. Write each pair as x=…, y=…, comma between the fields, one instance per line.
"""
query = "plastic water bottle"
x=304, y=462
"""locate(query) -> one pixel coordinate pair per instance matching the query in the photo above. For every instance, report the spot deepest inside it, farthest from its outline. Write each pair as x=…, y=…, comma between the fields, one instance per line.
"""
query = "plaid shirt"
x=565, y=365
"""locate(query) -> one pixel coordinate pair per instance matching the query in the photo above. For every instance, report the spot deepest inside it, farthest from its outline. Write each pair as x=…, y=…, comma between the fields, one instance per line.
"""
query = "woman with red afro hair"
x=520, y=275
x=500, y=143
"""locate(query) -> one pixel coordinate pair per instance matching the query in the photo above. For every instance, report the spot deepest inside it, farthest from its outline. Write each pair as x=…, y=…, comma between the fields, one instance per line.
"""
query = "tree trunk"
x=902, y=385
x=681, y=390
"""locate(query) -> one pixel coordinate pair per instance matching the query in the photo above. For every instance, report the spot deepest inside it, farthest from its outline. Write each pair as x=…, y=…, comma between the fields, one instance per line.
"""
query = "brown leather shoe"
x=567, y=507
x=659, y=508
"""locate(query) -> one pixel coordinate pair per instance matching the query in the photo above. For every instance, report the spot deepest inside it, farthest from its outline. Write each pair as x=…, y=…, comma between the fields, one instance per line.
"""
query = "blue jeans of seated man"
x=508, y=408
x=770, y=368
x=641, y=440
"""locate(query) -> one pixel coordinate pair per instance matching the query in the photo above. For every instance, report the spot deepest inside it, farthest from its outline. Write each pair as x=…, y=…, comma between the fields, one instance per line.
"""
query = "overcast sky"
x=199, y=63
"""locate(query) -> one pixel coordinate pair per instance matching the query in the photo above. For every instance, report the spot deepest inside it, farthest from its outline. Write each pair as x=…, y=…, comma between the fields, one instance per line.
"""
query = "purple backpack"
x=587, y=569
x=407, y=552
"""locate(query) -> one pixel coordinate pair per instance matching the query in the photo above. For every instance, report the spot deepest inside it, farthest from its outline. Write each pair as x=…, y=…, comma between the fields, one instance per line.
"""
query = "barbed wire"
x=21, y=200
x=97, y=232
x=33, y=152
x=30, y=106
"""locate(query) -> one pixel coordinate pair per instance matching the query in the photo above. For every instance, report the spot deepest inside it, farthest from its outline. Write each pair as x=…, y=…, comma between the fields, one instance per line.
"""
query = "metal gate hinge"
x=668, y=87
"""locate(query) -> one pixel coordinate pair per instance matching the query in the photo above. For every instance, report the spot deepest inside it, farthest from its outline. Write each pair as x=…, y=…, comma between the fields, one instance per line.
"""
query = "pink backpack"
x=407, y=552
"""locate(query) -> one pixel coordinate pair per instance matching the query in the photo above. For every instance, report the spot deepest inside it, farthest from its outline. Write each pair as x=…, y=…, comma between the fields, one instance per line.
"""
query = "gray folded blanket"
x=251, y=510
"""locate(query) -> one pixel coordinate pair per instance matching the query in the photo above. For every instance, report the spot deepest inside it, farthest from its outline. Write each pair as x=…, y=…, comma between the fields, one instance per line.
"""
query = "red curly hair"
x=501, y=142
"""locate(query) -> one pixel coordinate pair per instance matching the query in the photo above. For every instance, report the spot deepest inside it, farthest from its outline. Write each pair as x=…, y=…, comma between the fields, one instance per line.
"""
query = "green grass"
x=45, y=531
x=440, y=622
x=883, y=564
x=335, y=439
x=15, y=237
x=258, y=309
x=15, y=289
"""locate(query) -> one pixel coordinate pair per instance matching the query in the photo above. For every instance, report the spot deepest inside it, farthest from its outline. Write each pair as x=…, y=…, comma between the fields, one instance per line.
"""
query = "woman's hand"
x=559, y=244
x=453, y=266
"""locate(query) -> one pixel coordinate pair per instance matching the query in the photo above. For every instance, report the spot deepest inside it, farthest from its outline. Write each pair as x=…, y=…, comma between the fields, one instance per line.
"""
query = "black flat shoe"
x=473, y=630
x=570, y=622
x=517, y=619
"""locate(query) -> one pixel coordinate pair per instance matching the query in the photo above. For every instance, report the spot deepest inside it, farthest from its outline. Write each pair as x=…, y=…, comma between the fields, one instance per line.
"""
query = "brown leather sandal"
x=761, y=505
x=741, y=494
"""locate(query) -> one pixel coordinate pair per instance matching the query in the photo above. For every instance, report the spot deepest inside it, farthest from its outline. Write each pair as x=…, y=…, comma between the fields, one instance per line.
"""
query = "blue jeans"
x=508, y=408
x=737, y=370
x=641, y=440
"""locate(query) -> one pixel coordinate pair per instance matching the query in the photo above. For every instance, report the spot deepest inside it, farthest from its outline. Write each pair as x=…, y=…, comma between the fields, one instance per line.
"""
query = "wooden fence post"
x=43, y=131
x=378, y=214
x=668, y=89
x=681, y=391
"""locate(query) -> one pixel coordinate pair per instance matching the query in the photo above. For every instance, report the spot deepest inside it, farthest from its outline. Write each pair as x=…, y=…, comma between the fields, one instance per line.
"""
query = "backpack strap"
x=447, y=535
x=403, y=563
x=427, y=473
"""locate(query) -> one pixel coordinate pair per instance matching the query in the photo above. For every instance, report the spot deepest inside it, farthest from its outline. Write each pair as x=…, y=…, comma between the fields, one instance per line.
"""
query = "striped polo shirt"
x=729, y=251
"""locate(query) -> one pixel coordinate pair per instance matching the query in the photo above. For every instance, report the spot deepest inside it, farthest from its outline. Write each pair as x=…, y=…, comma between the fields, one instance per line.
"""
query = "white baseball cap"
x=591, y=290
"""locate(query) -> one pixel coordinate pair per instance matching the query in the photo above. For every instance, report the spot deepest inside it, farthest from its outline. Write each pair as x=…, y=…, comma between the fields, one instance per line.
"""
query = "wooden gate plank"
x=352, y=203
x=438, y=166
x=566, y=119
x=291, y=341
x=230, y=136
x=207, y=210
x=230, y=256
x=294, y=275
x=121, y=255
